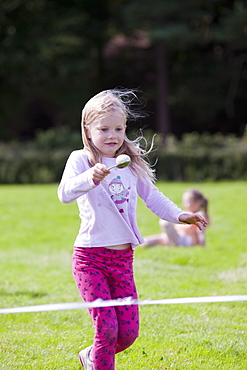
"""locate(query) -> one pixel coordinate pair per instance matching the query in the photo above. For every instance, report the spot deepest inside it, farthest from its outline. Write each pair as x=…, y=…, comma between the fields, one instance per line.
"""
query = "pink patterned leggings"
x=107, y=274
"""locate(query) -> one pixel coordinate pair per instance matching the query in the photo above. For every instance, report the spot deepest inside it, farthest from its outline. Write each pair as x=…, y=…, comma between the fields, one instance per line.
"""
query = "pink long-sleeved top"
x=108, y=210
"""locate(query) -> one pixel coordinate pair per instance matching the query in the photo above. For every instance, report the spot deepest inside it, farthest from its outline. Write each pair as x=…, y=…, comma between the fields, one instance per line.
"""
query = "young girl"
x=182, y=235
x=107, y=200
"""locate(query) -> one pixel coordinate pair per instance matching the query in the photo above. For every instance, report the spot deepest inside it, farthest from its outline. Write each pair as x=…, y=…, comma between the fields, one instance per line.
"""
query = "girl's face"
x=107, y=134
x=191, y=205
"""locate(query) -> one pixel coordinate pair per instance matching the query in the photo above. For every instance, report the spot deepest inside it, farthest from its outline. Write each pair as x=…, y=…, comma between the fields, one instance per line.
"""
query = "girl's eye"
x=106, y=129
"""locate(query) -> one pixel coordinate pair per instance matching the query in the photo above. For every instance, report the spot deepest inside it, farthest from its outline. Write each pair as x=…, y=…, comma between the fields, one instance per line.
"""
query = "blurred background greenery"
x=187, y=58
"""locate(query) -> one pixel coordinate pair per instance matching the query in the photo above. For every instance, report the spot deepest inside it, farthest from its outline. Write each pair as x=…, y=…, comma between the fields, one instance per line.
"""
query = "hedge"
x=203, y=158
x=193, y=158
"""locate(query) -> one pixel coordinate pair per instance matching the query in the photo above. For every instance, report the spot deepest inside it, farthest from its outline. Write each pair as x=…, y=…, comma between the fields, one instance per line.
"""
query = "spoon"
x=123, y=160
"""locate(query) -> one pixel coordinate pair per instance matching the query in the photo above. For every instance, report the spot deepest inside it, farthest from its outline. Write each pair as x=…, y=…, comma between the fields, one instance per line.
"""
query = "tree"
x=189, y=57
x=232, y=32
x=51, y=60
x=191, y=40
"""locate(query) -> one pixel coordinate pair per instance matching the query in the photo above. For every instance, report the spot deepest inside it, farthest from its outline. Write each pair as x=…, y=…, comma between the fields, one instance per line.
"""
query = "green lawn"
x=36, y=241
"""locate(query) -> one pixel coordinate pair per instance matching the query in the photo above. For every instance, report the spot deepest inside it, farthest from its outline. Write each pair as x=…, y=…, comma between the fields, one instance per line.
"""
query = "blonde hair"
x=195, y=195
x=116, y=101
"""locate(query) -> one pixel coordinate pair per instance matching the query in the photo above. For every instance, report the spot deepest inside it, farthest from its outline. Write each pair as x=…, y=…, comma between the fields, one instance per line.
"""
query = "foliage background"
x=188, y=58
x=196, y=158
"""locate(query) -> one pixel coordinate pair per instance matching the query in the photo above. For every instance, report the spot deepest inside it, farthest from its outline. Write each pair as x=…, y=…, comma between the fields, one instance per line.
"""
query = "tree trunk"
x=163, y=116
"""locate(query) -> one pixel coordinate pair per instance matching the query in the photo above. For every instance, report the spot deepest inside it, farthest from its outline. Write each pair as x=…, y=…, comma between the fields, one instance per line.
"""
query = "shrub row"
x=203, y=158
x=41, y=160
x=193, y=158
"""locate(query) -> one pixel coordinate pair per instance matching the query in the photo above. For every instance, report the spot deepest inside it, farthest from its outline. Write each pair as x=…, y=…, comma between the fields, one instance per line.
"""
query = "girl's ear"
x=87, y=132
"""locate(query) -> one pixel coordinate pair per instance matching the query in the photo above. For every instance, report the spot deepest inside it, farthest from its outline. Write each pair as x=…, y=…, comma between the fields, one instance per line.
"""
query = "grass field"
x=36, y=241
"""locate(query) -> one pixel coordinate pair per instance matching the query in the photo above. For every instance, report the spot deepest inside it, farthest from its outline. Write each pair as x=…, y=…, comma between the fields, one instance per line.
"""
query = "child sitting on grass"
x=182, y=235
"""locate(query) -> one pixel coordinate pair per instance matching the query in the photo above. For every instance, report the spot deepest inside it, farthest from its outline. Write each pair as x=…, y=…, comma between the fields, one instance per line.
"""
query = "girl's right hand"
x=99, y=172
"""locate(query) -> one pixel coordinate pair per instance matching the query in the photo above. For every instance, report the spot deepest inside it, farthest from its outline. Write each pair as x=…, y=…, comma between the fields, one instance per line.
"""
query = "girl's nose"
x=111, y=134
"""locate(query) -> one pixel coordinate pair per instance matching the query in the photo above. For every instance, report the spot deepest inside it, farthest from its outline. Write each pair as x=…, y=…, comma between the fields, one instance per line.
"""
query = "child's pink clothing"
x=108, y=210
x=108, y=274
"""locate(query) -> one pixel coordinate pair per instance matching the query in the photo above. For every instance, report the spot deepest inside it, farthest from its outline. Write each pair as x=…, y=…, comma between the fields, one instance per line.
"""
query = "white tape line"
x=122, y=302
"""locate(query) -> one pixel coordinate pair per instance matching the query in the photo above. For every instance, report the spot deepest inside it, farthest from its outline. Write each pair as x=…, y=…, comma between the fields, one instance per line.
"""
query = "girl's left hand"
x=195, y=219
